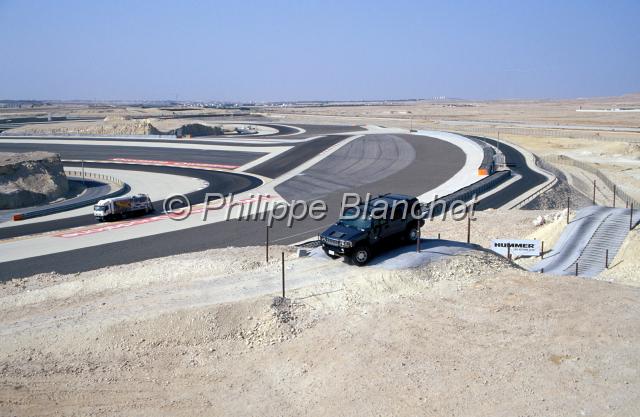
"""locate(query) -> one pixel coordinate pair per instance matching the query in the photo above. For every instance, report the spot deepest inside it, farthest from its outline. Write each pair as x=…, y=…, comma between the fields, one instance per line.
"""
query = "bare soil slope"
x=467, y=336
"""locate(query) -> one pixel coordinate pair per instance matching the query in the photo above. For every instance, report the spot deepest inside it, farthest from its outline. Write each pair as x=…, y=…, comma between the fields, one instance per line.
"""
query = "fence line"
x=565, y=160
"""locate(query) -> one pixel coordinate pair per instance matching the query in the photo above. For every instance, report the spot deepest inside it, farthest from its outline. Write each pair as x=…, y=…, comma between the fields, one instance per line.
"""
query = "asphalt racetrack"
x=425, y=164
x=518, y=164
x=219, y=182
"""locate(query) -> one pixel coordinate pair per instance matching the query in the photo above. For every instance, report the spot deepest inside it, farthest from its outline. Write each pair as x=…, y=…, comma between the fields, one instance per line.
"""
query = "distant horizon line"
x=309, y=101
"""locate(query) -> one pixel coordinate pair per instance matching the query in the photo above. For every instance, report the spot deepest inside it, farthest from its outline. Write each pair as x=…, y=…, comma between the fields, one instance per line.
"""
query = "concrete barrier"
x=468, y=193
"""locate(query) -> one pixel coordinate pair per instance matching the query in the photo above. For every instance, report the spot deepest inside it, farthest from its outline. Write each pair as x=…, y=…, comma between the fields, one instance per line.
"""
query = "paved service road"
x=315, y=130
x=436, y=161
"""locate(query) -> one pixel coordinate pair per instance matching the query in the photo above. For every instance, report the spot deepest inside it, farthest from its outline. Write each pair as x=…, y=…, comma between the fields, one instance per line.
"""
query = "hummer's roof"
x=390, y=200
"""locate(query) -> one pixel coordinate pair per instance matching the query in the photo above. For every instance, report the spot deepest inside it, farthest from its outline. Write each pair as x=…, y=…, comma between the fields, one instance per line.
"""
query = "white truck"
x=121, y=207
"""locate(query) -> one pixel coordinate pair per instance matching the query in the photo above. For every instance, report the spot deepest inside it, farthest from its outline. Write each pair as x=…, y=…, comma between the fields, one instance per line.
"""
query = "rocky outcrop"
x=197, y=129
x=30, y=179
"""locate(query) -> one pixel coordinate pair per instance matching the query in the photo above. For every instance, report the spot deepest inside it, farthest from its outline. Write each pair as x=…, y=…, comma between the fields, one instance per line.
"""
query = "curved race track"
x=426, y=163
x=219, y=182
x=518, y=164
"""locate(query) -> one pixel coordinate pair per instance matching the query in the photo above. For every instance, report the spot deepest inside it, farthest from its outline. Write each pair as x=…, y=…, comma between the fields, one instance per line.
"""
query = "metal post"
x=509, y=251
x=606, y=258
x=83, y=172
x=283, y=275
x=266, y=245
x=614, y=196
x=438, y=235
x=594, y=192
x=468, y=226
x=576, y=269
x=568, y=208
x=418, y=238
x=631, y=217
x=542, y=250
x=542, y=270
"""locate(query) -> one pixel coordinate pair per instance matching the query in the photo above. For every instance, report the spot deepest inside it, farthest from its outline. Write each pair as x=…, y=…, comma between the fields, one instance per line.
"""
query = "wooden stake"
x=468, y=226
x=266, y=245
x=283, y=296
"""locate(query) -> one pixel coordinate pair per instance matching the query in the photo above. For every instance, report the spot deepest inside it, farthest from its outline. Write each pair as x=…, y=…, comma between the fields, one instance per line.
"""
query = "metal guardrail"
x=468, y=193
x=95, y=176
x=123, y=188
x=535, y=195
x=488, y=156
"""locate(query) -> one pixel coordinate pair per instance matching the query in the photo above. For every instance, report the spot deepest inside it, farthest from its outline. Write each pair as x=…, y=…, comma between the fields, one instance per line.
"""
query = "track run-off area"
x=302, y=162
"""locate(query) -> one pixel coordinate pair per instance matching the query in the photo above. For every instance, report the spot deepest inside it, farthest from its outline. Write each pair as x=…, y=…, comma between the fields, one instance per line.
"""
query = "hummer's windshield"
x=361, y=223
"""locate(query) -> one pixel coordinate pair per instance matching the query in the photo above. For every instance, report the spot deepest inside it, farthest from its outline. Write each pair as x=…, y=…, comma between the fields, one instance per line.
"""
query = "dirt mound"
x=556, y=198
x=30, y=179
x=197, y=129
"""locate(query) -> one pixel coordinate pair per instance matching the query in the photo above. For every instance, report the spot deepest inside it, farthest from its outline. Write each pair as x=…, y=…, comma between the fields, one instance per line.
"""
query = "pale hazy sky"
x=325, y=50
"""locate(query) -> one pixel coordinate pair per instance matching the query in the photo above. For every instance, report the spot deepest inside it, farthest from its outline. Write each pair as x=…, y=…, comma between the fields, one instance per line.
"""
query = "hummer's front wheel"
x=361, y=255
x=412, y=233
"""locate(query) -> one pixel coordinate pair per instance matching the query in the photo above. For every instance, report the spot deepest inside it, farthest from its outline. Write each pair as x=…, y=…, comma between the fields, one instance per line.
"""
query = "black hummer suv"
x=381, y=219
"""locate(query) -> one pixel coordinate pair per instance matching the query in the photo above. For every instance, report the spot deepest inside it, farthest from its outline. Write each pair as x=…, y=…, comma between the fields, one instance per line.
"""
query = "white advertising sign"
x=519, y=247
